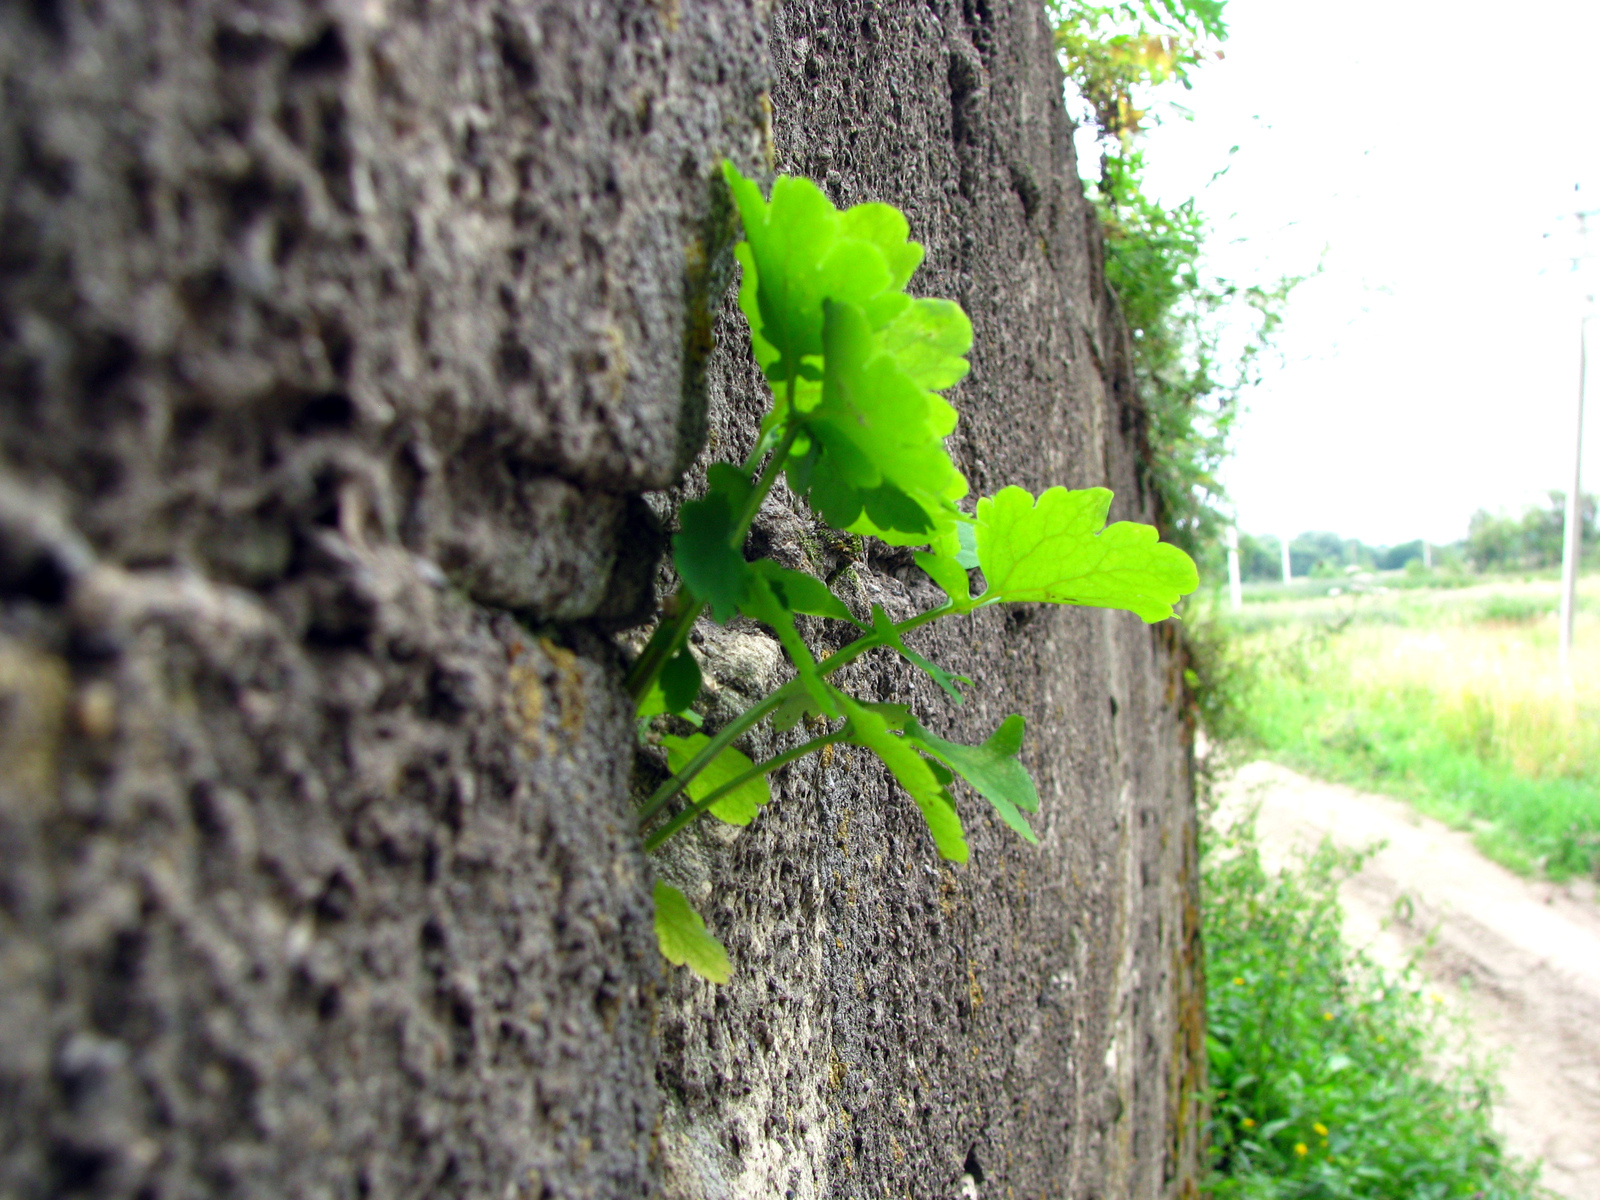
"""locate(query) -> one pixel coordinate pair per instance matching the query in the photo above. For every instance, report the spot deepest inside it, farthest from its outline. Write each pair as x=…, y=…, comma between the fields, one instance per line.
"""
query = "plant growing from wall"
x=857, y=425
x=1197, y=338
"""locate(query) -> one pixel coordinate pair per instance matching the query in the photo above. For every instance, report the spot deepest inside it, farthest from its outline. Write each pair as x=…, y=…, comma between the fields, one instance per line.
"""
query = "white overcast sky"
x=1420, y=152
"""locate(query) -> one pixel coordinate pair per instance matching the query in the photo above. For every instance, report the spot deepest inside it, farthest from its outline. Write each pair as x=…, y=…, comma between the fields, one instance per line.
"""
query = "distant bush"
x=1500, y=542
x=1330, y=1078
x=1516, y=610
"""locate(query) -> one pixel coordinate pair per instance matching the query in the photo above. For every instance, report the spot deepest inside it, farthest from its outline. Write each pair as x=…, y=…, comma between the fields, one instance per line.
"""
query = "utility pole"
x=1572, y=541
x=1235, y=584
x=1286, y=558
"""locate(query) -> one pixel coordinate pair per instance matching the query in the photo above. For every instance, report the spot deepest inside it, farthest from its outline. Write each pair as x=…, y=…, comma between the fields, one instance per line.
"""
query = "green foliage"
x=1055, y=551
x=684, y=939
x=1196, y=338
x=1329, y=1077
x=1449, y=697
x=1222, y=678
x=858, y=426
x=1311, y=710
x=737, y=806
x=1499, y=542
x=1197, y=343
x=1112, y=51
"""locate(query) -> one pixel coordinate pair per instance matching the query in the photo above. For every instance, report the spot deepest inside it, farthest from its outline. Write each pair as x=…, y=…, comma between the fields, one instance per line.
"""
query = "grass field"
x=1449, y=697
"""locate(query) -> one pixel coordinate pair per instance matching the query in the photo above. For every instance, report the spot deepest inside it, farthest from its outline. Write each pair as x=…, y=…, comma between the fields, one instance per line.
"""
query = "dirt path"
x=1522, y=959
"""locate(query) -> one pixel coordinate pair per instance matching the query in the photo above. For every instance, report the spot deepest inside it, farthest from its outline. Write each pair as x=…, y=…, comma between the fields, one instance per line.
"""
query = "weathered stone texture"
x=338, y=342
x=331, y=336
x=1028, y=1024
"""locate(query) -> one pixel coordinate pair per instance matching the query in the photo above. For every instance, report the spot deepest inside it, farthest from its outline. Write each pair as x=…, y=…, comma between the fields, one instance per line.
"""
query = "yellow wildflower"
x=1300, y=1149
x=1322, y=1130
x=1327, y=1016
x=1248, y=1123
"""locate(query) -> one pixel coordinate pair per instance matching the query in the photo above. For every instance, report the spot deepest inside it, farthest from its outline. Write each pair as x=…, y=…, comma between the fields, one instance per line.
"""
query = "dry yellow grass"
x=1495, y=688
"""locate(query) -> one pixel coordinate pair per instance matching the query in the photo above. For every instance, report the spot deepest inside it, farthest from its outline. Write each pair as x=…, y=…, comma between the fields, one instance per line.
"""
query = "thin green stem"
x=670, y=635
x=699, y=807
x=672, y=786
x=840, y=658
x=848, y=654
x=763, y=485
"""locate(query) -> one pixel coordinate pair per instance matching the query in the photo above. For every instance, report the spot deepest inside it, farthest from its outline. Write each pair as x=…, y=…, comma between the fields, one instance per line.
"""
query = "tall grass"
x=1330, y=1078
x=1451, y=700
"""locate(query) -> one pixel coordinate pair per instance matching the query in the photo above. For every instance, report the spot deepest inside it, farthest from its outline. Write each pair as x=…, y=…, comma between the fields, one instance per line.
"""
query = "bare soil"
x=1521, y=959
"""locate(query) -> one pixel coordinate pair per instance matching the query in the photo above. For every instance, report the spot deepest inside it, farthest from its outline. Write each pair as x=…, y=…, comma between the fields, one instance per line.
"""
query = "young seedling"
x=857, y=425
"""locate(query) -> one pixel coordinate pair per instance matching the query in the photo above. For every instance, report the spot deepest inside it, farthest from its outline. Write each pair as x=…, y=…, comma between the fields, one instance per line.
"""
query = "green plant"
x=1110, y=51
x=1197, y=338
x=1330, y=1078
x=857, y=425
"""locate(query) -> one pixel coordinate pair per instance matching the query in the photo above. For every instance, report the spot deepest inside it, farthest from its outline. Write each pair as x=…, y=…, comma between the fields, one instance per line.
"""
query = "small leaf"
x=765, y=603
x=802, y=593
x=680, y=681
x=889, y=636
x=897, y=716
x=795, y=706
x=738, y=807
x=914, y=773
x=950, y=575
x=684, y=939
x=992, y=769
x=702, y=550
x=1057, y=552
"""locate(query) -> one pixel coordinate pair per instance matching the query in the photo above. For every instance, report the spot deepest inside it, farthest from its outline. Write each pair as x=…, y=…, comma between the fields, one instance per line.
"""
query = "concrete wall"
x=339, y=345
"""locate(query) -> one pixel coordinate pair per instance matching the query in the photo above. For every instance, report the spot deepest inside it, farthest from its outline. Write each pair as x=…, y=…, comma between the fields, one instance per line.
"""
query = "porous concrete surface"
x=339, y=341
x=1028, y=1024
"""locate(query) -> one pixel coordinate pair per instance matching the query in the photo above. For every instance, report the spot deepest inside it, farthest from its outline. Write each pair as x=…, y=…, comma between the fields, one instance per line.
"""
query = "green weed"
x=1330, y=1078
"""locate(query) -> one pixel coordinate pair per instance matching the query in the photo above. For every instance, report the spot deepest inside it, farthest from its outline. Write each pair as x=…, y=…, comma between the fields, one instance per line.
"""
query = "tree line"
x=1495, y=541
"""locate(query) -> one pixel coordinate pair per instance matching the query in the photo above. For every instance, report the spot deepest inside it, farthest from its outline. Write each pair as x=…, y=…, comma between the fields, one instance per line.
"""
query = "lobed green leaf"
x=1060, y=551
x=684, y=939
x=800, y=250
x=993, y=769
x=858, y=361
x=738, y=807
